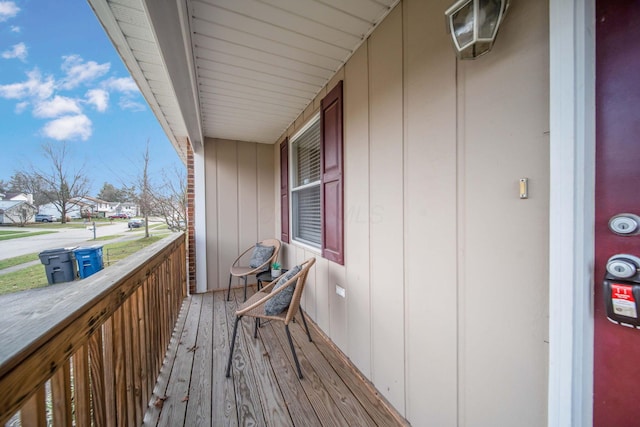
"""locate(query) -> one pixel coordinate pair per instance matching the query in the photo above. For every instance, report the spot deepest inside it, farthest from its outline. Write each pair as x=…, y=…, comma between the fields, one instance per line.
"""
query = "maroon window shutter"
x=331, y=198
x=284, y=190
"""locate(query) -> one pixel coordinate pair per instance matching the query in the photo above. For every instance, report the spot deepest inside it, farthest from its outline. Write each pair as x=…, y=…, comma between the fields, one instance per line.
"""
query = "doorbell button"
x=624, y=224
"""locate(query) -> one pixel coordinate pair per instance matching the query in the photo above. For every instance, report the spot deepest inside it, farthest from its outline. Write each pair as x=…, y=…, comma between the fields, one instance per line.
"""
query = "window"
x=305, y=185
x=315, y=176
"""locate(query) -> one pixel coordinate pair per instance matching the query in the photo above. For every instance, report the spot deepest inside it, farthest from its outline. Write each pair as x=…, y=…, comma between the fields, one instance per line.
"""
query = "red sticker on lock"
x=624, y=304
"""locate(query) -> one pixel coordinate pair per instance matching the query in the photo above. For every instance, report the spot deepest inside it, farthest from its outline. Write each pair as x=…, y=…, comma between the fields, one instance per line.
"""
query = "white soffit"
x=257, y=63
x=127, y=24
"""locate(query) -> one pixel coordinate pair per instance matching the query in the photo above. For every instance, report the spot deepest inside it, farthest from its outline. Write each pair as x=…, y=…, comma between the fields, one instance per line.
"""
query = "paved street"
x=62, y=238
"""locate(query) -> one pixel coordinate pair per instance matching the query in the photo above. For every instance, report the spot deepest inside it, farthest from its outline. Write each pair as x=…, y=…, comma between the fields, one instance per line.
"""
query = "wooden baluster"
x=81, y=392
x=96, y=364
x=61, y=396
x=34, y=412
x=143, y=346
x=127, y=351
x=109, y=374
x=120, y=369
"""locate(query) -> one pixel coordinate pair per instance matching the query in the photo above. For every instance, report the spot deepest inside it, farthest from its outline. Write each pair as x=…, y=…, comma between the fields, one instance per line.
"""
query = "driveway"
x=62, y=238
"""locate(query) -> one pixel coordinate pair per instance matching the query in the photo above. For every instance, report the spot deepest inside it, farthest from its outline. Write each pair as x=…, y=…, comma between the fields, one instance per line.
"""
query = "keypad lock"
x=621, y=290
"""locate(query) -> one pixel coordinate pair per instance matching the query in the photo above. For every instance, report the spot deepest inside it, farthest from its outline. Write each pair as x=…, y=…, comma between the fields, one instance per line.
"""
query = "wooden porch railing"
x=89, y=352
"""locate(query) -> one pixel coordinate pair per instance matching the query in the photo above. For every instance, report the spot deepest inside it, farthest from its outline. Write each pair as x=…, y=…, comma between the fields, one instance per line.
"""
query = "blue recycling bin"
x=89, y=260
x=59, y=265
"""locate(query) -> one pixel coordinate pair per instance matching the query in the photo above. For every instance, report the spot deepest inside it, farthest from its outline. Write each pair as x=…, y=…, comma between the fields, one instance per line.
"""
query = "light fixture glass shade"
x=474, y=24
x=463, y=25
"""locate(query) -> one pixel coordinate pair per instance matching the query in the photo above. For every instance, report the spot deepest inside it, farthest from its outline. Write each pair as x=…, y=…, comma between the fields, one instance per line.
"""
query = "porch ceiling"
x=234, y=69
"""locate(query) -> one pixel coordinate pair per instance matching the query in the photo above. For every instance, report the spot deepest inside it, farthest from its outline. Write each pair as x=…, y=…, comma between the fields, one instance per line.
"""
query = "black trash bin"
x=59, y=265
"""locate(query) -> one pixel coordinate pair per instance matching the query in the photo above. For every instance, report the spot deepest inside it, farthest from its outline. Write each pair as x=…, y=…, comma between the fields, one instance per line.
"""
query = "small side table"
x=266, y=277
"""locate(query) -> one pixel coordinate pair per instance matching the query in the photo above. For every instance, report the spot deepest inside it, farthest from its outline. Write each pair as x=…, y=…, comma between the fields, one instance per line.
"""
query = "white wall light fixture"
x=473, y=25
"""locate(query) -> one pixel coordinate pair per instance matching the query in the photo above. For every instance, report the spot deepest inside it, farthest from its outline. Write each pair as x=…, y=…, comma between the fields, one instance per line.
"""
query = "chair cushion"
x=278, y=303
x=260, y=255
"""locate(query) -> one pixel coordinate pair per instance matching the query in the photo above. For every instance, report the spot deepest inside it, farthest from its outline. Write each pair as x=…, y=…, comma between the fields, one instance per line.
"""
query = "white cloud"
x=17, y=51
x=99, y=98
x=122, y=84
x=8, y=9
x=78, y=72
x=35, y=87
x=15, y=29
x=56, y=107
x=21, y=106
x=129, y=104
x=69, y=128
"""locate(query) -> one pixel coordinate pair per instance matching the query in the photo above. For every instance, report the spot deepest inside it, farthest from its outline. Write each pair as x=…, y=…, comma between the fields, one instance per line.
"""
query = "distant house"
x=16, y=208
x=128, y=208
x=83, y=207
x=93, y=206
x=17, y=196
x=74, y=210
x=131, y=208
x=16, y=211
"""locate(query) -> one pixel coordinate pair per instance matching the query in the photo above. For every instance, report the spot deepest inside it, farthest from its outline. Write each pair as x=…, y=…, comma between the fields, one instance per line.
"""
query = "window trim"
x=293, y=168
x=332, y=223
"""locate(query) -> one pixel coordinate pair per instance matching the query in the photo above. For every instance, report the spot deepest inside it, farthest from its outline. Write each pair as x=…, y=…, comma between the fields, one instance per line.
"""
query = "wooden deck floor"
x=264, y=389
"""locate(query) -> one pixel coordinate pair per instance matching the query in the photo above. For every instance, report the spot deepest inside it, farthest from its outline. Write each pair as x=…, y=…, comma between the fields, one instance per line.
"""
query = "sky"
x=62, y=81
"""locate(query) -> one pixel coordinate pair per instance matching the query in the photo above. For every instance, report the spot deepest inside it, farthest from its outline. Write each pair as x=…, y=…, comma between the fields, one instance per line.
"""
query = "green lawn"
x=35, y=277
x=3, y=232
x=27, y=278
x=116, y=251
x=110, y=237
x=20, y=234
x=10, y=262
x=72, y=224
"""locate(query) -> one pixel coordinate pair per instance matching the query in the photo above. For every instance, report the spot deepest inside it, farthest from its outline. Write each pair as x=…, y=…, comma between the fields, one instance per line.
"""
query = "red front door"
x=617, y=348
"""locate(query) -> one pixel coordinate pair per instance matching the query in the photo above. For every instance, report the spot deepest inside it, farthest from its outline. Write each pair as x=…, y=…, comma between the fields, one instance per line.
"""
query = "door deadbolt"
x=624, y=224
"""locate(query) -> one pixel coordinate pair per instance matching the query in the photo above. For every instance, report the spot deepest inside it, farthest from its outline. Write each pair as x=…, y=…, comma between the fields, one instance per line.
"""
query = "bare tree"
x=22, y=215
x=61, y=182
x=144, y=198
x=170, y=199
x=23, y=182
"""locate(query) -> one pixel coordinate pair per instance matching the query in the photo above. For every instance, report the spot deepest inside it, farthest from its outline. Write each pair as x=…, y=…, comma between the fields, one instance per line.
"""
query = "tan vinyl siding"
x=386, y=208
x=430, y=215
x=356, y=215
x=265, y=186
x=247, y=194
x=502, y=122
x=321, y=289
x=240, y=200
x=446, y=269
x=227, y=215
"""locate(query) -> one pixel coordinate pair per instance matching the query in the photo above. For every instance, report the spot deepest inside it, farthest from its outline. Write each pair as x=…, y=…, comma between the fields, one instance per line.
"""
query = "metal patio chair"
x=242, y=271
x=257, y=306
